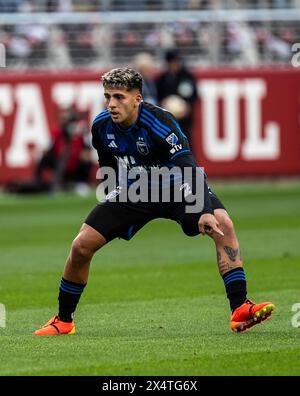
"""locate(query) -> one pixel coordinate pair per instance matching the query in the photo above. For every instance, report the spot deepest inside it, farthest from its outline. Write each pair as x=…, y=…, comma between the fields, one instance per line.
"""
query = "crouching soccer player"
x=137, y=134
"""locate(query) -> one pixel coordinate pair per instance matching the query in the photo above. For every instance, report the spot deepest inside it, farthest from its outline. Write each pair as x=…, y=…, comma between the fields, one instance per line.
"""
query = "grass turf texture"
x=155, y=305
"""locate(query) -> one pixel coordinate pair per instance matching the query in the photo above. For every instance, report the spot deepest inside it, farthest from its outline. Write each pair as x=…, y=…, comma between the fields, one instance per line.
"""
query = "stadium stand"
x=100, y=33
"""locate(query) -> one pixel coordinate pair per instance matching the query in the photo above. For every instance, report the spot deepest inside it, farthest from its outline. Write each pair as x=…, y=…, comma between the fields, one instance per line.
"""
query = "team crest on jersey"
x=172, y=139
x=142, y=147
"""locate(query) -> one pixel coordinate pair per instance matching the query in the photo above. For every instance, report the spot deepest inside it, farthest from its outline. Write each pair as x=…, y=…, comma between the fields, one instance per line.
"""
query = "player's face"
x=123, y=105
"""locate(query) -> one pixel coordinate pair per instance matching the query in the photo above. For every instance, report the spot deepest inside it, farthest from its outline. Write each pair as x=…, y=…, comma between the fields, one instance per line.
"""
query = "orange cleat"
x=55, y=326
x=250, y=314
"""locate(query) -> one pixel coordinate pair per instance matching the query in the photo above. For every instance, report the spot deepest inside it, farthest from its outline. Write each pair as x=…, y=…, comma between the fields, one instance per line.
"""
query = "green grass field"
x=155, y=305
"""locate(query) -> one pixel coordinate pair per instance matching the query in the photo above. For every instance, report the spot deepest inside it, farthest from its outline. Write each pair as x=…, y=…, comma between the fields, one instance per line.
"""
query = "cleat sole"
x=258, y=318
x=264, y=313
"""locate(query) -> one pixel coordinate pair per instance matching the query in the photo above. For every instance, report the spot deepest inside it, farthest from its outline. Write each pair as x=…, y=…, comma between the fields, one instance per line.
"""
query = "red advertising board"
x=246, y=121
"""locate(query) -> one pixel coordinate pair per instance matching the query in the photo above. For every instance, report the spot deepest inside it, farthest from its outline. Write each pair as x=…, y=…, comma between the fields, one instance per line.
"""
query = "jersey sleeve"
x=104, y=157
x=174, y=149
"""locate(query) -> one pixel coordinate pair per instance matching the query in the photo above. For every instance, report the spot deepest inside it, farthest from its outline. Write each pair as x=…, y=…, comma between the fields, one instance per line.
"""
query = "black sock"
x=69, y=295
x=236, y=287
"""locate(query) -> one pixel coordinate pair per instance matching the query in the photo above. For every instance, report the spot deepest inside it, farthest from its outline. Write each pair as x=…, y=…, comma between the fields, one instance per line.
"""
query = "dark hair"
x=123, y=77
x=172, y=54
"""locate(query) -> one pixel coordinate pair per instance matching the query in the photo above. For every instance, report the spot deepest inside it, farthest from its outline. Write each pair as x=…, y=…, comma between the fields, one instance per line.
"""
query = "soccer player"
x=134, y=134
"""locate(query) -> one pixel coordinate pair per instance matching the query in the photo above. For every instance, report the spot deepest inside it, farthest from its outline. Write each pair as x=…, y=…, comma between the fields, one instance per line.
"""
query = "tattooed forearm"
x=233, y=254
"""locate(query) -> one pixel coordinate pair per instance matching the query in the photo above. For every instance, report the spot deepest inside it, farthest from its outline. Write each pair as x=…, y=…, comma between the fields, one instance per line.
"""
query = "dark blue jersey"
x=155, y=140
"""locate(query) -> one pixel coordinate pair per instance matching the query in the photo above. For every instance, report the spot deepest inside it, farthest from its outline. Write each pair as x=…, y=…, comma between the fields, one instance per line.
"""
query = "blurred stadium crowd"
x=118, y=5
x=100, y=34
x=61, y=42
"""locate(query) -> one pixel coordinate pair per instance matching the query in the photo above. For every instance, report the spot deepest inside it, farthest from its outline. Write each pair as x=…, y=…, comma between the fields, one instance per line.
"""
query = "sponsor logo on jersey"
x=172, y=139
x=175, y=148
x=110, y=136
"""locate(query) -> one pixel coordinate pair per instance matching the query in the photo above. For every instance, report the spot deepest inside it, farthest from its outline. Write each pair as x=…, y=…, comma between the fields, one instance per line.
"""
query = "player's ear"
x=138, y=99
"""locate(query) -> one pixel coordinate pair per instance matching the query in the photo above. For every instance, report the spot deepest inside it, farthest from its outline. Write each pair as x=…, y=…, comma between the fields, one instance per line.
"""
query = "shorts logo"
x=113, y=194
x=172, y=139
x=187, y=189
x=142, y=147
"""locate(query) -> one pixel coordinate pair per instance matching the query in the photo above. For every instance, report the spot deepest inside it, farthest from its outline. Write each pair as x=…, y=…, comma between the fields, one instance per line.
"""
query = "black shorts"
x=125, y=219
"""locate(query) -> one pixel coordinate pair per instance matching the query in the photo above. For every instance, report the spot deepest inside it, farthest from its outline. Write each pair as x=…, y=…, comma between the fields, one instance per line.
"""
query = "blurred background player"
x=144, y=63
x=68, y=162
x=177, y=91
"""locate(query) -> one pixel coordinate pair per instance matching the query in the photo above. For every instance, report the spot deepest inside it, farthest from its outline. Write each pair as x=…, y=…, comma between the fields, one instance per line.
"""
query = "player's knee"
x=225, y=222
x=81, y=249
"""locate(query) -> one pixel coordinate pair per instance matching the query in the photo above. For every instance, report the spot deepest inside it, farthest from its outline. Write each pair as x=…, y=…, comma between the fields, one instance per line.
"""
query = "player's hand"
x=208, y=224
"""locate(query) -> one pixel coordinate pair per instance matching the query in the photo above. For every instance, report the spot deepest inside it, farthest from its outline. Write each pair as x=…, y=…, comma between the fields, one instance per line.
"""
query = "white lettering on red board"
x=6, y=108
x=87, y=96
x=261, y=142
x=30, y=123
